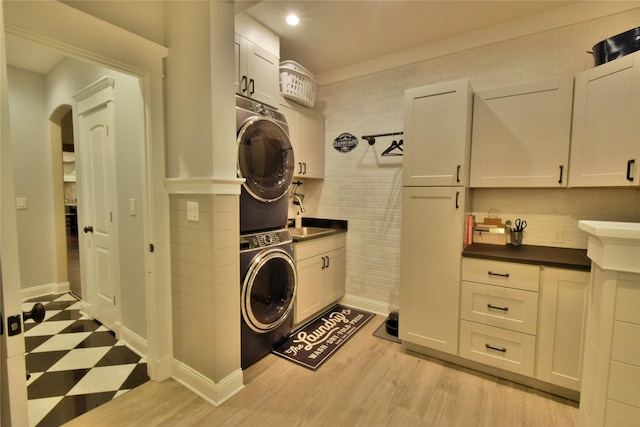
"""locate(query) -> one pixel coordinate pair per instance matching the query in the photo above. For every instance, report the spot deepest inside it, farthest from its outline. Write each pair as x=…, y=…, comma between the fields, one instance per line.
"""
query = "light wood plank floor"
x=369, y=382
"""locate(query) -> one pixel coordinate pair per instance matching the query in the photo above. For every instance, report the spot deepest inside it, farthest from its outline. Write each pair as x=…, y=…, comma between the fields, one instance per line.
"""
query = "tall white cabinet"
x=436, y=157
x=605, y=141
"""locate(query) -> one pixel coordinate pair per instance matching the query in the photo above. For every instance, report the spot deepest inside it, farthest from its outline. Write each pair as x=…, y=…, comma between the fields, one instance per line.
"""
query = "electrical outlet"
x=193, y=211
x=557, y=236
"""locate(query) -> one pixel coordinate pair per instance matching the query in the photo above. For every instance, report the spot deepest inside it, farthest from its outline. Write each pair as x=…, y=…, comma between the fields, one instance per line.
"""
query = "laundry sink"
x=305, y=233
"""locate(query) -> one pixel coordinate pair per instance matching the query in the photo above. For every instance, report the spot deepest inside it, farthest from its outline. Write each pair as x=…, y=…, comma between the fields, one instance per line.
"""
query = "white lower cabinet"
x=523, y=318
x=320, y=264
x=499, y=313
x=562, y=325
x=432, y=224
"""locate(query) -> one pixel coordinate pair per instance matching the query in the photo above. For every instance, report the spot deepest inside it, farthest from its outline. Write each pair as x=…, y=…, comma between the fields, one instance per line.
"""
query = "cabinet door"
x=262, y=68
x=335, y=271
x=432, y=228
x=605, y=141
x=562, y=323
x=521, y=135
x=437, y=131
x=306, y=131
x=310, y=295
x=256, y=72
x=310, y=145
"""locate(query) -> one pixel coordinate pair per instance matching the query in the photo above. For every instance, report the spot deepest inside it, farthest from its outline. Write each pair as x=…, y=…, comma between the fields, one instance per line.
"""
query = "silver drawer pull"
x=490, y=347
x=498, y=274
x=495, y=307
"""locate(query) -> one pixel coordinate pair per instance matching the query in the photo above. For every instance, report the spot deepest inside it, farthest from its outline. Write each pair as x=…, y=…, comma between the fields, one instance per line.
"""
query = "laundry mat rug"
x=318, y=340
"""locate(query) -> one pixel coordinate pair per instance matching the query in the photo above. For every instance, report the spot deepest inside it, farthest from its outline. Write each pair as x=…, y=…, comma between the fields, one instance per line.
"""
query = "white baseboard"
x=135, y=342
x=214, y=393
x=46, y=289
x=365, y=304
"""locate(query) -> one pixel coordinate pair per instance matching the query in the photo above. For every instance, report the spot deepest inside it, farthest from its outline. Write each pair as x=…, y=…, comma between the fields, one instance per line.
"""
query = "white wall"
x=365, y=189
x=32, y=168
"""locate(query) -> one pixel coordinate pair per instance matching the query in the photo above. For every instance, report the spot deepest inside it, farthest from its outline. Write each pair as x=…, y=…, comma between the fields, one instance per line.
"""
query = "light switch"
x=21, y=203
x=132, y=207
x=193, y=211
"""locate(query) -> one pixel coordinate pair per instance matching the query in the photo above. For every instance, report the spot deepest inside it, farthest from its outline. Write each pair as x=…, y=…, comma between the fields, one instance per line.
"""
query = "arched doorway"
x=64, y=181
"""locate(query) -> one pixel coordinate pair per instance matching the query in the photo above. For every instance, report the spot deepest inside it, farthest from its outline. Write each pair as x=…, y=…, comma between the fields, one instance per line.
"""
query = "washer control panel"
x=264, y=239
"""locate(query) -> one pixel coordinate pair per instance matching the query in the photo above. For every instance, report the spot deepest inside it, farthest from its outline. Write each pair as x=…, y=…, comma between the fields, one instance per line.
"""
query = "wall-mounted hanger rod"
x=371, y=139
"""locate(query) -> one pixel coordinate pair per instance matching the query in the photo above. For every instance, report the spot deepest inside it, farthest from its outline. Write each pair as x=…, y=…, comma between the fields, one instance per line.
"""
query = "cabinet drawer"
x=507, y=308
x=508, y=350
x=313, y=247
x=509, y=274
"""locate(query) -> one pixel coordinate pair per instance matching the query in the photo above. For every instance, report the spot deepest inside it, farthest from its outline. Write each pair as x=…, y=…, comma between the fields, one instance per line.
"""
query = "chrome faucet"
x=297, y=197
x=297, y=200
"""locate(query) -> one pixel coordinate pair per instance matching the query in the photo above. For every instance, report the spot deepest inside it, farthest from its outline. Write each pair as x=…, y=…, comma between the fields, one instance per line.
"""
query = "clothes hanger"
x=395, y=145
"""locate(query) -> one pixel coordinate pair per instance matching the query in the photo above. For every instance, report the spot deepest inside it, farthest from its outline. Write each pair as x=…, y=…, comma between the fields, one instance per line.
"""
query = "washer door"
x=265, y=159
x=269, y=290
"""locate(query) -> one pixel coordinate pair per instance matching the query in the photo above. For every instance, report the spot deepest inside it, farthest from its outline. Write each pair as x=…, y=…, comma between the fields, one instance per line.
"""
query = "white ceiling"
x=337, y=33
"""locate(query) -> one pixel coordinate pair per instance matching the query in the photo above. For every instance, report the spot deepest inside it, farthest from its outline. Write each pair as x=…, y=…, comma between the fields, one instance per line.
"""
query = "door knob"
x=37, y=313
x=88, y=229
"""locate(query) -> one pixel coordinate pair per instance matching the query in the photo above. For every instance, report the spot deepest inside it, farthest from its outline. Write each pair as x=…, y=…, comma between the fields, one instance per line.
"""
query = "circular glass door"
x=268, y=290
x=265, y=159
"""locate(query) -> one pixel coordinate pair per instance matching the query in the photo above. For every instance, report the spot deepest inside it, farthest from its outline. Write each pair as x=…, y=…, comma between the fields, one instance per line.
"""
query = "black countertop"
x=572, y=259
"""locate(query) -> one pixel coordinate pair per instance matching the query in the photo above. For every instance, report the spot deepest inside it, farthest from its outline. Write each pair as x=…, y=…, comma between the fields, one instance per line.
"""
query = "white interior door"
x=13, y=390
x=98, y=203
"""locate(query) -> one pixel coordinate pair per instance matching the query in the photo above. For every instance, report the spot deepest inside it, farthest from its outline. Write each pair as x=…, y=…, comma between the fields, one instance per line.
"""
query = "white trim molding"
x=214, y=393
x=134, y=341
x=203, y=185
x=365, y=304
x=46, y=289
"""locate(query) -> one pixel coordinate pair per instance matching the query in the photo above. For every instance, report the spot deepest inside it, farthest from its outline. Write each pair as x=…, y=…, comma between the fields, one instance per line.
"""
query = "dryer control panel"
x=260, y=109
x=264, y=239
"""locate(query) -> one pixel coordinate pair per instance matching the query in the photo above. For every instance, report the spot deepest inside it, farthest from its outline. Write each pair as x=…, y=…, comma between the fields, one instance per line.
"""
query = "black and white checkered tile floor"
x=75, y=363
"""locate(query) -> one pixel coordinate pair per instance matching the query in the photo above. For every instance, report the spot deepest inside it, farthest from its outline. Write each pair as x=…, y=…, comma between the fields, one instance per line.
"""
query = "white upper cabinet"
x=306, y=131
x=605, y=141
x=257, y=72
x=437, y=133
x=521, y=135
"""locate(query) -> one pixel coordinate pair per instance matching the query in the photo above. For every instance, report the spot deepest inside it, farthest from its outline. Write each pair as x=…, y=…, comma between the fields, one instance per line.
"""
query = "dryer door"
x=265, y=159
x=269, y=290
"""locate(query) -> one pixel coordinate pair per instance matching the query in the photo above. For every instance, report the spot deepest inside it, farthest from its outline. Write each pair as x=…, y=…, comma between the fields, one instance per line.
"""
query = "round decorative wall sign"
x=345, y=142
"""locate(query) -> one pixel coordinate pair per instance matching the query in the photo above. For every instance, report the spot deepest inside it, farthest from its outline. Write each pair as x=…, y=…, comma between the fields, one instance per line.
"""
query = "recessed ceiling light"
x=293, y=20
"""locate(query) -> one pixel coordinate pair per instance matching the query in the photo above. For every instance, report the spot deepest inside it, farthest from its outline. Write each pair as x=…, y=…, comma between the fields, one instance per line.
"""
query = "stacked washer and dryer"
x=268, y=279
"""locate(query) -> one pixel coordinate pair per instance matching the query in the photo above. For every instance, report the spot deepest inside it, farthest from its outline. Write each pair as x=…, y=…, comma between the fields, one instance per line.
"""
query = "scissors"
x=520, y=224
